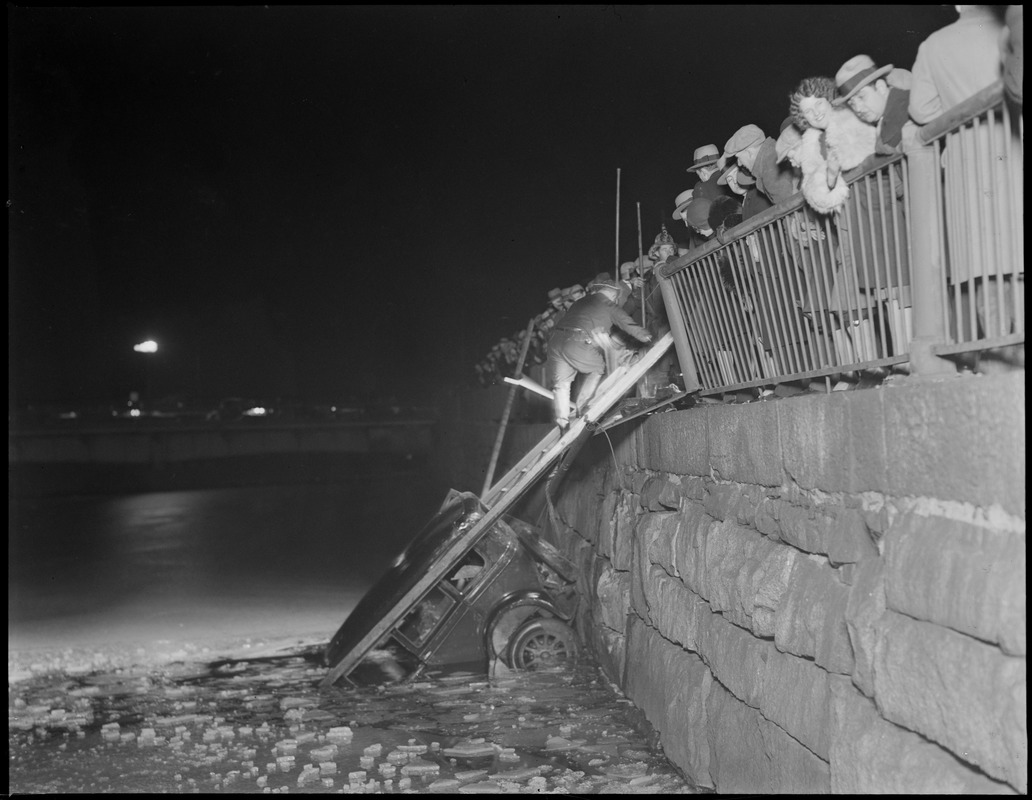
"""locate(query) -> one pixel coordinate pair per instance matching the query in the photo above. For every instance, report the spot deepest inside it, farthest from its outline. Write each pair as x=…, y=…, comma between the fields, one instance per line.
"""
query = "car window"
x=467, y=572
x=423, y=619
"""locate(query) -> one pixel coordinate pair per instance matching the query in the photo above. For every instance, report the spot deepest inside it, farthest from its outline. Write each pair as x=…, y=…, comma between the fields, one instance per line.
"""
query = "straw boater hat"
x=855, y=74
x=681, y=202
x=705, y=156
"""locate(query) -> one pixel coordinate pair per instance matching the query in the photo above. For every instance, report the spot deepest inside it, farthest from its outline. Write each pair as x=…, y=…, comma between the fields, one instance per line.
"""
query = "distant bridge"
x=154, y=442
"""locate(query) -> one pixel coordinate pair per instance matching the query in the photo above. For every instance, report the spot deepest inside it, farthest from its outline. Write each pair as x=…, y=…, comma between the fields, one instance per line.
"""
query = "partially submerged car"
x=506, y=597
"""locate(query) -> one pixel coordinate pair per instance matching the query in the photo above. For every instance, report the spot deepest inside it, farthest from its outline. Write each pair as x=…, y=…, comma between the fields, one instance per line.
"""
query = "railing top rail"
x=794, y=203
x=977, y=104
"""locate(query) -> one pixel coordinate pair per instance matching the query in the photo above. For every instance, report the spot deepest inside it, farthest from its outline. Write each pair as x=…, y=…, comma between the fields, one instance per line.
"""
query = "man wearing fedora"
x=873, y=223
x=682, y=203
x=865, y=88
x=579, y=342
x=705, y=166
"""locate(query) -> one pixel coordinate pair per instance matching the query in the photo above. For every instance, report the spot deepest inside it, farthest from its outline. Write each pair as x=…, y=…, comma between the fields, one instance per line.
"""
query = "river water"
x=171, y=642
x=236, y=561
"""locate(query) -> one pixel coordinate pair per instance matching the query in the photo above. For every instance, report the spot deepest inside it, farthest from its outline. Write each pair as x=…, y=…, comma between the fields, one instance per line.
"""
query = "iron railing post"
x=681, y=346
x=928, y=267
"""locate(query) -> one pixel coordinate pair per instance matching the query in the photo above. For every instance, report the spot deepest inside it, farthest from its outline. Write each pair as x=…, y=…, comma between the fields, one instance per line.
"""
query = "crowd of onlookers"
x=838, y=127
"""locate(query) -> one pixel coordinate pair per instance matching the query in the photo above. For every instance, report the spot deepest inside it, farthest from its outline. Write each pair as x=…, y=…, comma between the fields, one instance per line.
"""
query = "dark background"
x=318, y=202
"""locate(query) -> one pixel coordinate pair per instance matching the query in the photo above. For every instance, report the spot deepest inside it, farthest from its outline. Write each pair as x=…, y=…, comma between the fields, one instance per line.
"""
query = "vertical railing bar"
x=982, y=227
x=714, y=310
x=827, y=256
x=681, y=287
x=774, y=278
x=736, y=331
x=866, y=265
x=888, y=222
x=940, y=205
x=771, y=310
x=1016, y=195
x=965, y=229
x=788, y=287
x=909, y=261
x=1000, y=249
x=808, y=257
x=709, y=314
x=744, y=287
x=797, y=274
x=700, y=323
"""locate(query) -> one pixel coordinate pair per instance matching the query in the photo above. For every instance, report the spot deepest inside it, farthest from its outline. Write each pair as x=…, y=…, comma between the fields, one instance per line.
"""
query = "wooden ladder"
x=506, y=491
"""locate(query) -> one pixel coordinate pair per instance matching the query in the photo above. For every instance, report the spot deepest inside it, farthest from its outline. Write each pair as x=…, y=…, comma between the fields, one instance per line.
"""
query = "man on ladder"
x=579, y=343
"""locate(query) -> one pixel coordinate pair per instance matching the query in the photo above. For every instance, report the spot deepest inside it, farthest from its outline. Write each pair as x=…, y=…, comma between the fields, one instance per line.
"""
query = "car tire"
x=543, y=643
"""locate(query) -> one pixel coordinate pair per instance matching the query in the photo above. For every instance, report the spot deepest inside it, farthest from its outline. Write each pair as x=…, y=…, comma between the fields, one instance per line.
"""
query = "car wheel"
x=543, y=643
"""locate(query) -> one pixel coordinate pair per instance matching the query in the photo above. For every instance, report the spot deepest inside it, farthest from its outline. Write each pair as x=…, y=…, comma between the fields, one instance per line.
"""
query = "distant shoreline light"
x=149, y=346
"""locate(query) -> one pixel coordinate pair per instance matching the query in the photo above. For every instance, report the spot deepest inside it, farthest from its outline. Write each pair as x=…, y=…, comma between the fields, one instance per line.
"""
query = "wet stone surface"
x=263, y=725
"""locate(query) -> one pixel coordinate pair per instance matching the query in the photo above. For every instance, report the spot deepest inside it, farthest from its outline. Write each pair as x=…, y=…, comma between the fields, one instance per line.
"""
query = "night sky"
x=316, y=202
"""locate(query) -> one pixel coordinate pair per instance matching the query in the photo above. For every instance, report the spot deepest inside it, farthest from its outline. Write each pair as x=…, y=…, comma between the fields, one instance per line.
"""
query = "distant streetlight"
x=148, y=347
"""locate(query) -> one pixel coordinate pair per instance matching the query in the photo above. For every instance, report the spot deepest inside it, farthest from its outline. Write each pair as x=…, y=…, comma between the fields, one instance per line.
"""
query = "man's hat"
x=662, y=238
x=681, y=202
x=698, y=212
x=603, y=283
x=855, y=74
x=744, y=137
x=741, y=174
x=705, y=156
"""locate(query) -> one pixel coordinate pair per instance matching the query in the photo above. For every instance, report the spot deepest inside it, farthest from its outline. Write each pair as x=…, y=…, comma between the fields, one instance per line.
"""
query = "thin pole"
x=508, y=409
x=618, y=222
x=641, y=269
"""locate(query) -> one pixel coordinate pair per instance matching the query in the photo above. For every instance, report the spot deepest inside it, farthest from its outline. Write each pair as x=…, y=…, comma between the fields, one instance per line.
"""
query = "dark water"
x=181, y=561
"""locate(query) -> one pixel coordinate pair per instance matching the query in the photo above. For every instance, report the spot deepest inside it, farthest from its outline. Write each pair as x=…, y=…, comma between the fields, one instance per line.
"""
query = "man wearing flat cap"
x=739, y=181
x=756, y=153
x=705, y=165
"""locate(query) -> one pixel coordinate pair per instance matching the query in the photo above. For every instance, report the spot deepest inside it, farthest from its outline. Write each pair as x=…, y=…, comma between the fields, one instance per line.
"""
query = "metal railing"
x=977, y=175
x=791, y=295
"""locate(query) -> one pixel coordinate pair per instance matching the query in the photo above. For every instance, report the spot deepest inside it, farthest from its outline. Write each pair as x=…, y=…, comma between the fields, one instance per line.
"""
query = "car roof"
x=383, y=606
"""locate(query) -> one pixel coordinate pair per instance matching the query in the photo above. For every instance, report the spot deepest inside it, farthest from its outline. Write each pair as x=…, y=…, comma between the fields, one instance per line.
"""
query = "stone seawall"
x=817, y=594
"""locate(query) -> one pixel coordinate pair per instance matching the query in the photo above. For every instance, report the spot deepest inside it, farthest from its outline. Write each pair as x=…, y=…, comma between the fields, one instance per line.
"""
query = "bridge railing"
x=791, y=295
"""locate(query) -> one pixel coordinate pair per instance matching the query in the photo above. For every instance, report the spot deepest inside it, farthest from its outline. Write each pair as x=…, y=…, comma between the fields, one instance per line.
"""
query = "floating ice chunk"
x=373, y=750
x=471, y=749
x=420, y=767
x=483, y=787
x=340, y=734
x=327, y=767
x=327, y=753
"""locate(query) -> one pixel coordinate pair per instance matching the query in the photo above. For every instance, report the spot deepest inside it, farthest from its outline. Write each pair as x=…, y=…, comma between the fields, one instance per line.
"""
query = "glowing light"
x=134, y=412
x=257, y=411
x=149, y=346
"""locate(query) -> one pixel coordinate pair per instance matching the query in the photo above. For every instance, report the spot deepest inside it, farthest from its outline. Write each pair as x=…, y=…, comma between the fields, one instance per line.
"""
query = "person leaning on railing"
x=953, y=64
x=875, y=245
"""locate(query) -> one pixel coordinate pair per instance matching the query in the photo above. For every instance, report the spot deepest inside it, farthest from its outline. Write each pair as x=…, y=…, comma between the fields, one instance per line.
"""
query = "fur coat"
x=850, y=140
